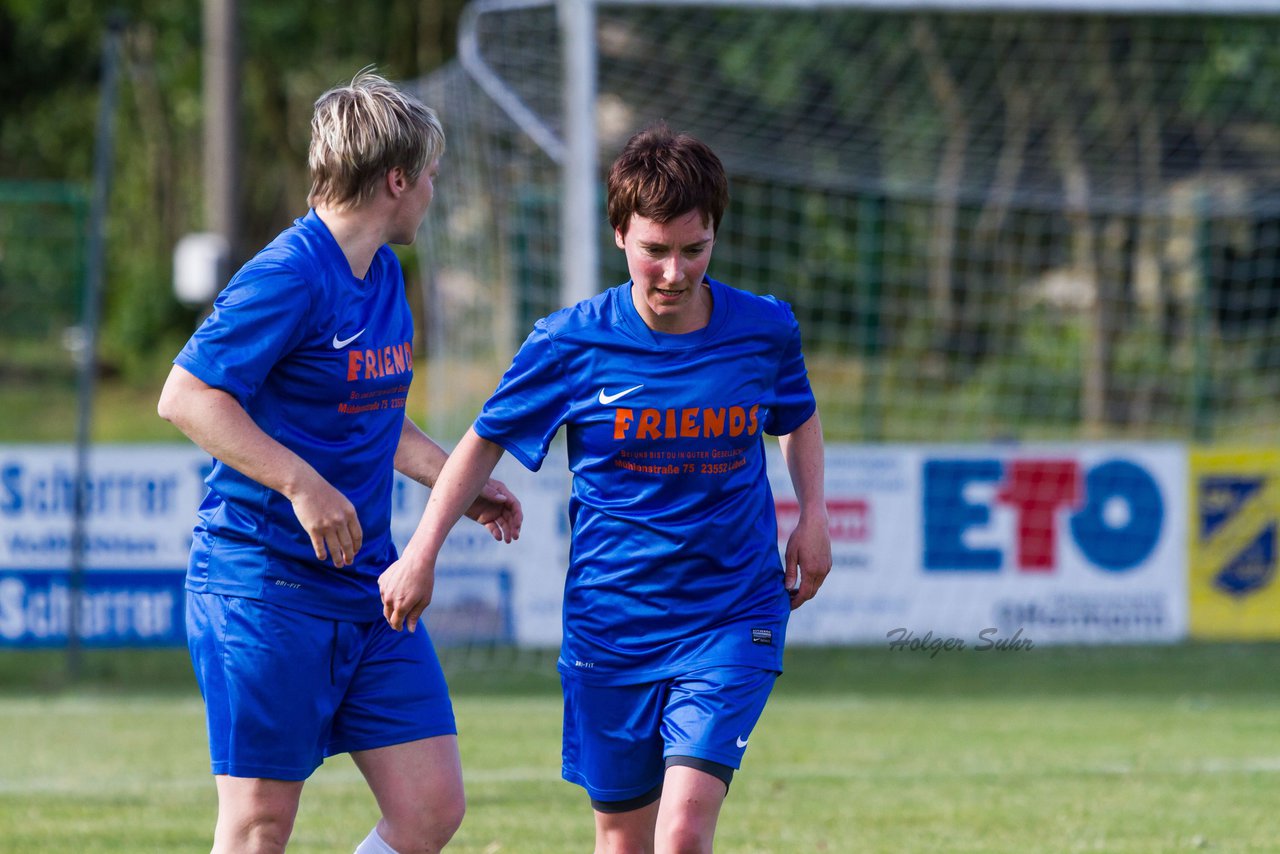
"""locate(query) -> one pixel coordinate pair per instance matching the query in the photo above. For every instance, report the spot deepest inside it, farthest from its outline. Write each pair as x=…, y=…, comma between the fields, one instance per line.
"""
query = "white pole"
x=579, y=248
x=221, y=94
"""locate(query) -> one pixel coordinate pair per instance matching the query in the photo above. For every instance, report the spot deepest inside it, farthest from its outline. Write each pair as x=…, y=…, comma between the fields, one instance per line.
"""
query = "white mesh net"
x=990, y=225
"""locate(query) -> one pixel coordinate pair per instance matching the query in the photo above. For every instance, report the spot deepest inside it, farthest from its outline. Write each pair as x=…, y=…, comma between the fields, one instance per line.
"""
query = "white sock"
x=373, y=844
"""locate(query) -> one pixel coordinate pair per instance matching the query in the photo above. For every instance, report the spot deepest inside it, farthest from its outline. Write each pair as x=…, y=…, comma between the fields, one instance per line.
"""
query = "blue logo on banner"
x=1221, y=500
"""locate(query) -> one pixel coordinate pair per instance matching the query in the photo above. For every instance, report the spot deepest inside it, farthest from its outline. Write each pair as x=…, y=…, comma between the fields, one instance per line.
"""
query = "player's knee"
x=449, y=815
x=446, y=813
x=619, y=843
x=686, y=836
x=623, y=848
x=428, y=827
x=259, y=834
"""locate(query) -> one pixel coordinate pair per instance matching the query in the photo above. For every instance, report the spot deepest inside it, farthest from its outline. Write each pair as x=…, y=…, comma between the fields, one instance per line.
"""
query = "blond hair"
x=360, y=132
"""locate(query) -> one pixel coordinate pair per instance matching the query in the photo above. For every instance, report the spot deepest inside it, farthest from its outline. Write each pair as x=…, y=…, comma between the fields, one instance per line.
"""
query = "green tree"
x=290, y=50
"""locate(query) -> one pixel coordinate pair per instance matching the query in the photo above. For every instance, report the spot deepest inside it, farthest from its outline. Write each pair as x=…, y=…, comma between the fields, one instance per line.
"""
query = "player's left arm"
x=419, y=457
x=808, y=554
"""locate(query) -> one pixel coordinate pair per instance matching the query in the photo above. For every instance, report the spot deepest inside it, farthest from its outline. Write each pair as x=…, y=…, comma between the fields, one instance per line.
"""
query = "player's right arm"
x=217, y=422
x=407, y=584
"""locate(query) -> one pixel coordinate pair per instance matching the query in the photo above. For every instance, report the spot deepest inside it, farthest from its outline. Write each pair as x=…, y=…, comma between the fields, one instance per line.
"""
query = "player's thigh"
x=628, y=831
x=265, y=675
x=415, y=781
x=710, y=714
x=612, y=744
x=252, y=797
x=691, y=801
x=396, y=694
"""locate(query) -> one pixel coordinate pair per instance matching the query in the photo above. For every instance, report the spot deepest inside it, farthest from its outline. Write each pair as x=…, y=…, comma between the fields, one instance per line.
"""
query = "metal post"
x=1201, y=391
x=221, y=95
x=88, y=345
x=870, y=276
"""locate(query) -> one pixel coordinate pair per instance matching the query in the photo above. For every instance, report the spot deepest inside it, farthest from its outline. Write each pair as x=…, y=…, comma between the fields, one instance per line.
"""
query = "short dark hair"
x=661, y=175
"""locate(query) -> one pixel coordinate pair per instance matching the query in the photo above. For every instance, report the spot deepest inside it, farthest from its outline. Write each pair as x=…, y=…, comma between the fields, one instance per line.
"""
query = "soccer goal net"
x=1035, y=221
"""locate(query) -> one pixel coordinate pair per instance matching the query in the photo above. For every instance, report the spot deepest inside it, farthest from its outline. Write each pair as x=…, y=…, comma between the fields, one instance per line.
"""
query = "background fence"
x=991, y=225
x=42, y=256
x=1036, y=227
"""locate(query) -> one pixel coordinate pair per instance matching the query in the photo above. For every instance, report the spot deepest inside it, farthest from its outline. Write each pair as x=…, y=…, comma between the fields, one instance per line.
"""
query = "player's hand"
x=406, y=592
x=331, y=521
x=498, y=510
x=808, y=558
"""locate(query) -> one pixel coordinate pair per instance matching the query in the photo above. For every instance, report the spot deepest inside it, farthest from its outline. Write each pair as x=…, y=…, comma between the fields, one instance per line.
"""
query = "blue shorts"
x=618, y=738
x=284, y=689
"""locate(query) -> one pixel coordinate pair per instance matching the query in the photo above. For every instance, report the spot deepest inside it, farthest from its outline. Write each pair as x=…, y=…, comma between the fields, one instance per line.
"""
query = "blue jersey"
x=674, y=561
x=322, y=362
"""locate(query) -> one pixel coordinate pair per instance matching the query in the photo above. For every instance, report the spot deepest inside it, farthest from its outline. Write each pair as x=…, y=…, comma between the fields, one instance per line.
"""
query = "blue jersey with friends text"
x=321, y=361
x=674, y=561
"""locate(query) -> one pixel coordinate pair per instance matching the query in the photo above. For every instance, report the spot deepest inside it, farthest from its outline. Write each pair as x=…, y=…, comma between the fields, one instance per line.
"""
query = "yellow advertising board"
x=1235, y=512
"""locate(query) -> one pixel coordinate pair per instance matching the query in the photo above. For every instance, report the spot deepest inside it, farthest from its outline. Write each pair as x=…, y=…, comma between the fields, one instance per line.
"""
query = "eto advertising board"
x=1235, y=498
x=983, y=546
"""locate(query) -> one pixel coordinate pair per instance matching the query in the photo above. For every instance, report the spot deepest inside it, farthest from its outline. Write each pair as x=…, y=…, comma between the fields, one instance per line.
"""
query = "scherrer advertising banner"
x=142, y=501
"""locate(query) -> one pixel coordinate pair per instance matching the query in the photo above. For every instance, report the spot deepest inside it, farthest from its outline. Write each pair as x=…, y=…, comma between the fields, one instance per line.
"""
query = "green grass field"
x=1119, y=749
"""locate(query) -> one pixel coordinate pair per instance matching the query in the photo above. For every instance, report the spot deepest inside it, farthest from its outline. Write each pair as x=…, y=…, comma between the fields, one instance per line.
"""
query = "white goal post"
x=575, y=151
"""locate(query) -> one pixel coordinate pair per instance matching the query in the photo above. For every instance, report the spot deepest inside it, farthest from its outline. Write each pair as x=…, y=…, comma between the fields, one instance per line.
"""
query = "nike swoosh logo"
x=742, y=742
x=339, y=343
x=606, y=399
